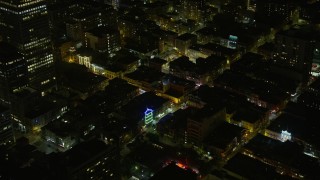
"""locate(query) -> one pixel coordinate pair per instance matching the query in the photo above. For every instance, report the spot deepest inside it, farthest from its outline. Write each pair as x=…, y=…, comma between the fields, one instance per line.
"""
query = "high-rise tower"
x=25, y=25
x=13, y=72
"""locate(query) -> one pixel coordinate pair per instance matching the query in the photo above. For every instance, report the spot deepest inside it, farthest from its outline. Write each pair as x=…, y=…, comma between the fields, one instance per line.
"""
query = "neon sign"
x=148, y=116
x=232, y=42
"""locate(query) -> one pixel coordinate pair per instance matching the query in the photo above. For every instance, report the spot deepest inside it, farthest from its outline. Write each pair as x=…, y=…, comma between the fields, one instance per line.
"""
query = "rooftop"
x=84, y=14
x=186, y=37
x=223, y=135
x=103, y=30
x=180, y=82
x=84, y=152
x=252, y=169
x=216, y=47
x=176, y=120
x=305, y=128
x=172, y=171
x=250, y=115
x=77, y=77
x=206, y=31
x=128, y=60
x=41, y=109
x=60, y=128
x=245, y=84
x=304, y=33
x=157, y=61
x=183, y=63
x=146, y=74
x=84, y=51
x=207, y=111
x=287, y=153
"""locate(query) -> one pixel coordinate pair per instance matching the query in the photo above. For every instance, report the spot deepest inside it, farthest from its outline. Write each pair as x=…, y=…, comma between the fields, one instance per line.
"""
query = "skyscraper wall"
x=25, y=25
x=13, y=72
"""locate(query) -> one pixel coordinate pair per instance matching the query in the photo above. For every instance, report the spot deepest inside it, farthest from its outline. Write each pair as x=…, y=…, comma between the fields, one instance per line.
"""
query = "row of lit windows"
x=29, y=2
x=35, y=9
x=8, y=10
x=37, y=42
x=6, y=25
x=28, y=11
x=33, y=70
x=11, y=62
x=8, y=4
x=45, y=82
x=47, y=61
x=28, y=17
x=36, y=12
x=5, y=128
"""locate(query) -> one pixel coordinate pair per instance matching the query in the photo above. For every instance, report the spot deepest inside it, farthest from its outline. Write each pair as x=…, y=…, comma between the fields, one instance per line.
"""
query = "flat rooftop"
x=223, y=135
x=252, y=169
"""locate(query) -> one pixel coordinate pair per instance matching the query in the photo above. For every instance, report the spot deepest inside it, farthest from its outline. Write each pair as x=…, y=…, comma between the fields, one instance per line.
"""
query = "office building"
x=25, y=25
x=203, y=121
x=82, y=22
x=89, y=160
x=294, y=50
x=282, y=8
x=103, y=39
x=13, y=72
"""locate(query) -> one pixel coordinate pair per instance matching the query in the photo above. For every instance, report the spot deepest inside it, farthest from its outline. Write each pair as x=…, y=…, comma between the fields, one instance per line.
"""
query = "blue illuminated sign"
x=148, y=116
